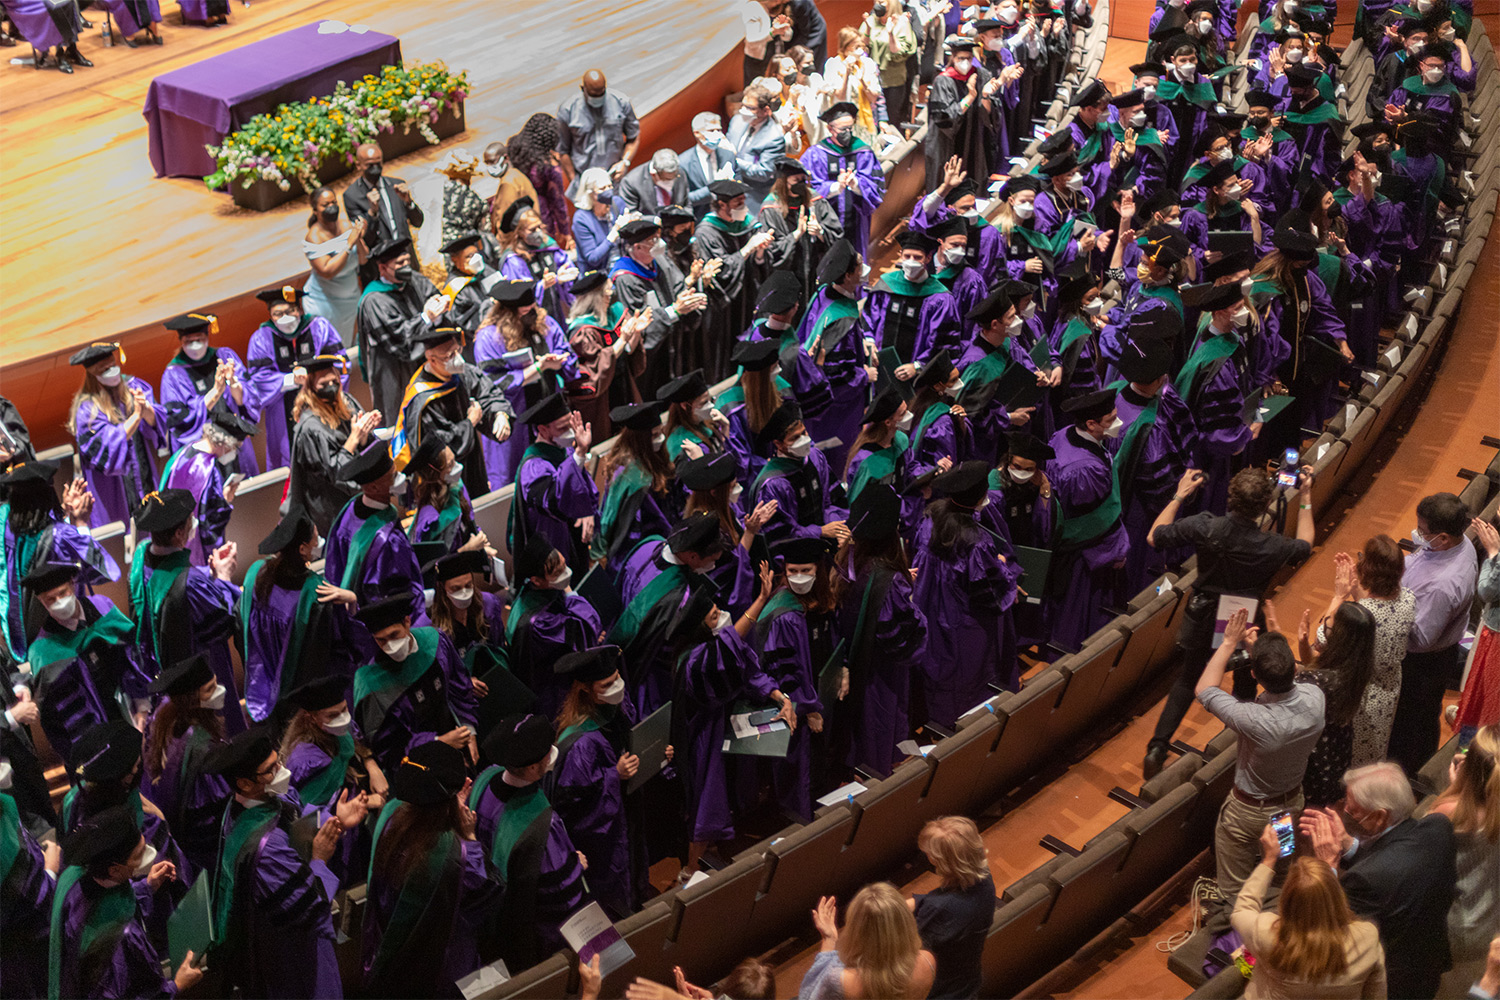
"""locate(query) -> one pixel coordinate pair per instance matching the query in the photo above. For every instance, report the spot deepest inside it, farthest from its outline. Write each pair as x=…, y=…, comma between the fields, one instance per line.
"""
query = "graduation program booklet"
x=1228, y=605
x=648, y=741
x=590, y=932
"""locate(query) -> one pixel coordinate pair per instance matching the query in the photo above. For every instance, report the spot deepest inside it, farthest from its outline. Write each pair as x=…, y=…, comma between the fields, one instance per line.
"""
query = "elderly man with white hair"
x=707, y=161
x=1398, y=871
x=654, y=184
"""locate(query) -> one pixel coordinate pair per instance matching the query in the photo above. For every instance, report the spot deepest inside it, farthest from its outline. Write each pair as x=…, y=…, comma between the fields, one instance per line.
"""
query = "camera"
x=1287, y=474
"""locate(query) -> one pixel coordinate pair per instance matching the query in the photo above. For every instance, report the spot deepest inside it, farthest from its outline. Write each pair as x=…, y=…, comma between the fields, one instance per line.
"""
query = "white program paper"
x=744, y=728
x=1227, y=606
x=485, y=979
x=590, y=932
x=842, y=794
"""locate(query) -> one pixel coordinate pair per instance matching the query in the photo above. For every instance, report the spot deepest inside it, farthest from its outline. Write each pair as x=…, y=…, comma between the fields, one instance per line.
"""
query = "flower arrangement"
x=292, y=142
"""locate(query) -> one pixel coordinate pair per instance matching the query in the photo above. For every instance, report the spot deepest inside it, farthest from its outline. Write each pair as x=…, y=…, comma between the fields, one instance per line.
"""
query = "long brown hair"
x=117, y=404
x=409, y=837
x=1313, y=924
x=681, y=415
x=171, y=720
x=633, y=445
x=578, y=706
x=870, y=436
x=286, y=569
x=761, y=397
x=335, y=415
x=863, y=555
x=819, y=600
x=507, y=321
x=716, y=502
x=304, y=728
x=1475, y=790
x=1276, y=266
x=446, y=618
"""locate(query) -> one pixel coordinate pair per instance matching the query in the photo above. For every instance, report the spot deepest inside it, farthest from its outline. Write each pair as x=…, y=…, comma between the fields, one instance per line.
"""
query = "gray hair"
x=705, y=120
x=1381, y=785
x=219, y=437
x=592, y=179
x=664, y=161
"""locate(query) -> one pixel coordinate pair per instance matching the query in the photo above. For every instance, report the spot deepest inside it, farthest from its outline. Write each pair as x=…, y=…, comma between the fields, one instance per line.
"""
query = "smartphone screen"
x=1285, y=835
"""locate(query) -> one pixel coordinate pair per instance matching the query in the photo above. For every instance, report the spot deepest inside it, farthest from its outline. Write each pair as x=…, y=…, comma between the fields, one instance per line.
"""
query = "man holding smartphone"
x=1235, y=558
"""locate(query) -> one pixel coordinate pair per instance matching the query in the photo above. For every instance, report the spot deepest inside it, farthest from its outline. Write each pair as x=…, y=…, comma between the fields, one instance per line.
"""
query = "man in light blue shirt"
x=598, y=129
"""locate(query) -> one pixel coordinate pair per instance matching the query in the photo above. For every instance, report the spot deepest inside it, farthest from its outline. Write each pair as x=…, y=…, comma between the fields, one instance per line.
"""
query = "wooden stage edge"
x=94, y=247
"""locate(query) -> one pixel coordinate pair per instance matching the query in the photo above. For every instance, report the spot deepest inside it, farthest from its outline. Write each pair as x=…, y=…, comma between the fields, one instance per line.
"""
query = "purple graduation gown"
x=120, y=470
x=203, y=476
x=502, y=457
x=554, y=490
x=131, y=969
x=269, y=632
x=709, y=678
x=389, y=566
x=855, y=205
x=881, y=664
x=801, y=496
x=441, y=699
x=1157, y=464
x=551, y=258
x=269, y=394
x=843, y=369
x=25, y=910
x=587, y=793
x=793, y=648
x=926, y=324
x=192, y=802
x=963, y=596
x=68, y=544
x=1081, y=477
x=185, y=383
x=556, y=629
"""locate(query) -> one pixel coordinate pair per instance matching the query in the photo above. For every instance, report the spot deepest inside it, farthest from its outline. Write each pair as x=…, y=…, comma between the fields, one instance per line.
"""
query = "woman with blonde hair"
x=1472, y=803
x=878, y=955
x=113, y=419
x=955, y=918
x=1314, y=947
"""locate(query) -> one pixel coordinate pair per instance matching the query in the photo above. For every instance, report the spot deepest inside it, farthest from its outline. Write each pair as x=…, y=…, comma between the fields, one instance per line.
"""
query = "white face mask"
x=64, y=609
x=955, y=255
x=228, y=458
x=1423, y=6
x=734, y=494
x=1138, y=119
x=1149, y=91
x=615, y=693
x=147, y=860
x=287, y=323
x=1415, y=48
x=904, y=424
x=1020, y=475
x=455, y=473
x=495, y=169
x=282, y=783
x=399, y=483
x=712, y=139
x=739, y=214
x=561, y=580
x=1294, y=56
x=914, y=271
x=722, y=622
x=996, y=44
x=658, y=441
x=193, y=528
x=398, y=649
x=1174, y=223
x=339, y=725
x=461, y=598
x=1220, y=155
x=704, y=412
x=1205, y=26
x=1029, y=311
x=955, y=389
x=566, y=438
x=801, y=447
x=1014, y=324
x=6, y=774
x=971, y=214
x=475, y=263
x=110, y=376
x=1234, y=191
x=1024, y=210
x=801, y=583
x=215, y=701
x=963, y=66
x=1433, y=76
x=1448, y=34
x=195, y=349
x=1093, y=308
x=1418, y=540
x=1187, y=73
x=1241, y=316
x=1075, y=183
x=1113, y=430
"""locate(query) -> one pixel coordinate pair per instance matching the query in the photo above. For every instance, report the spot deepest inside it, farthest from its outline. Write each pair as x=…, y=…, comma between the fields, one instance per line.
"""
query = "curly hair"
x=533, y=145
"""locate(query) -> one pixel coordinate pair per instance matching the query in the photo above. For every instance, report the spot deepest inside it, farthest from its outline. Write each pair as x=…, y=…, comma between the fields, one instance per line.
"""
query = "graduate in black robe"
x=729, y=236
x=394, y=310
x=655, y=275
x=960, y=118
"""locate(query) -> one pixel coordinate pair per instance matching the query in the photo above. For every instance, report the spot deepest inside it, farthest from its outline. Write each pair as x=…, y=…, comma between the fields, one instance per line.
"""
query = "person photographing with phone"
x=1235, y=559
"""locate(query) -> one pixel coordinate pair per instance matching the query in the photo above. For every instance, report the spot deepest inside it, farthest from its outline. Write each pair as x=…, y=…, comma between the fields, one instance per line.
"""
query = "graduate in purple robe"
x=1156, y=445
x=272, y=908
x=185, y=727
x=796, y=476
x=587, y=787
x=27, y=875
x=958, y=196
x=204, y=468
x=326, y=760
x=525, y=840
x=36, y=529
x=1430, y=90
x=1214, y=385
x=367, y=551
x=1065, y=199
x=761, y=389
x=200, y=379
x=1311, y=121
x=940, y=432
x=99, y=945
x=1137, y=158
x=1188, y=95
x=829, y=337
x=556, y=498
x=468, y=607
x=694, y=424
x=1029, y=514
x=431, y=887
x=964, y=593
x=844, y=170
x=294, y=624
x=910, y=311
x=84, y=671
x=1151, y=302
x=885, y=633
x=181, y=609
x=967, y=284
x=796, y=637
x=638, y=500
x=547, y=620
x=1090, y=544
x=716, y=491
x=116, y=425
x=442, y=517
x=515, y=323
x=531, y=254
x=415, y=690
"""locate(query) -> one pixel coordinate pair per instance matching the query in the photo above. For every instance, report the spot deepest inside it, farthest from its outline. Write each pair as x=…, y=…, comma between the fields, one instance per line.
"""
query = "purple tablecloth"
x=199, y=105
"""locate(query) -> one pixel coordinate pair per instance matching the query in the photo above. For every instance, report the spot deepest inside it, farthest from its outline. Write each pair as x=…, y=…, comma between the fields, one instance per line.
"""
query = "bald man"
x=385, y=201
x=500, y=184
x=599, y=129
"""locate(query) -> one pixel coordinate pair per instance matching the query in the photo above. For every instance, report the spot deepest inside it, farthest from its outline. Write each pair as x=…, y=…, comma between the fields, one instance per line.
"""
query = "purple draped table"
x=199, y=105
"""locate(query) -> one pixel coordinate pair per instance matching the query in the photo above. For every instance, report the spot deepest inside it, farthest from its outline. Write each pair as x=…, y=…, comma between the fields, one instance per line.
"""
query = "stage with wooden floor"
x=94, y=246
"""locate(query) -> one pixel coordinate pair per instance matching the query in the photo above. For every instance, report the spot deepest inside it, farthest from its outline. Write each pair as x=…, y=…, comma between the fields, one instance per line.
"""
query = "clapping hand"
x=1488, y=537
x=1234, y=629
x=759, y=516
x=1325, y=829
x=223, y=560
x=467, y=821
x=825, y=918
x=351, y=812
x=326, y=840
x=77, y=501
x=1345, y=576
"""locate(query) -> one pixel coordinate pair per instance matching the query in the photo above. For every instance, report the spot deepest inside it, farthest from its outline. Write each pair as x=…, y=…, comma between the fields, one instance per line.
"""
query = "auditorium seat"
x=1161, y=839
x=257, y=508
x=1226, y=740
x=1151, y=635
x=1434, y=774
x=1476, y=494
x=800, y=867
x=646, y=931
x=887, y=819
x=1084, y=675
x=1010, y=960
x=1213, y=781
x=547, y=980
x=1089, y=898
x=1152, y=591
x=1177, y=773
x=491, y=513
x=955, y=761
x=111, y=539
x=1021, y=745
x=703, y=911
x=1040, y=875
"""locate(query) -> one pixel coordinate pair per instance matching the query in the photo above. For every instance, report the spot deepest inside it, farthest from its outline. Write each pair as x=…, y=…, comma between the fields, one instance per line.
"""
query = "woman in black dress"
x=955, y=918
x=1342, y=669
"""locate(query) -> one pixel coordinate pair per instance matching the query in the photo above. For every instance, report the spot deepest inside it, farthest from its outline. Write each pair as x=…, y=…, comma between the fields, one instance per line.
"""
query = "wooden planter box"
x=262, y=196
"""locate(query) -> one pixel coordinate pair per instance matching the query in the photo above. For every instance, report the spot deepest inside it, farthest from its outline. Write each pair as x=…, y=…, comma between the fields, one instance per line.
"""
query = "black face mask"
x=329, y=392
x=680, y=240
x=403, y=275
x=789, y=78
x=843, y=136
x=373, y=171
x=797, y=189
x=1259, y=122
x=329, y=212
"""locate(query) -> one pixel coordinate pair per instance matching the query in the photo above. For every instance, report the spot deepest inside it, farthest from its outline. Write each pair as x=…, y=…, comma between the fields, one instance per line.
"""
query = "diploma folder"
x=508, y=695
x=599, y=590
x=1035, y=564
x=1263, y=411
x=1231, y=241
x=649, y=739
x=190, y=927
x=774, y=741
